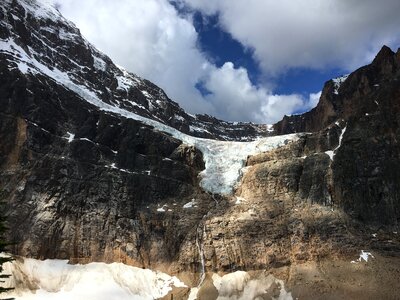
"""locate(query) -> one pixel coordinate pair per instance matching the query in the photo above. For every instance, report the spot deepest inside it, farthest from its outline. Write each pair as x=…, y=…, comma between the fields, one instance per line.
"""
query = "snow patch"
x=240, y=286
x=179, y=118
x=36, y=125
x=363, y=256
x=70, y=137
x=193, y=293
x=126, y=79
x=332, y=153
x=86, y=139
x=124, y=83
x=239, y=200
x=190, y=204
x=198, y=129
x=338, y=82
x=147, y=95
x=162, y=209
x=98, y=63
x=57, y=280
x=66, y=35
x=113, y=166
x=232, y=282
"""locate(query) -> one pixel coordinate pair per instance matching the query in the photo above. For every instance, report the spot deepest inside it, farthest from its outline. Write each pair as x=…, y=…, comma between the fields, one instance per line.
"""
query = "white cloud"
x=147, y=38
x=233, y=93
x=280, y=105
x=313, y=100
x=152, y=40
x=312, y=33
x=236, y=97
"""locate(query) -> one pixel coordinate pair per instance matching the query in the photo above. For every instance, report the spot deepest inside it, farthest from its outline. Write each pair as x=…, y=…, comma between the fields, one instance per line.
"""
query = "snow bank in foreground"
x=57, y=280
x=239, y=286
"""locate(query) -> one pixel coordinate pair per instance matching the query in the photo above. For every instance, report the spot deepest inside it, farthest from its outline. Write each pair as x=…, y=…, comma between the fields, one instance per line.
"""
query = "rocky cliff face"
x=72, y=194
x=82, y=183
x=95, y=165
x=365, y=170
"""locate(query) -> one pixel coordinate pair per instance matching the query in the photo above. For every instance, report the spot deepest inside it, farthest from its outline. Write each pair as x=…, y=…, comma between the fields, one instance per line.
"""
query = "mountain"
x=353, y=96
x=99, y=165
x=48, y=44
x=367, y=103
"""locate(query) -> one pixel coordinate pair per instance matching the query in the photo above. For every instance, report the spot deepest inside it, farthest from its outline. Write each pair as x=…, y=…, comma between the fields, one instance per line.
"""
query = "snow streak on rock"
x=338, y=82
x=332, y=153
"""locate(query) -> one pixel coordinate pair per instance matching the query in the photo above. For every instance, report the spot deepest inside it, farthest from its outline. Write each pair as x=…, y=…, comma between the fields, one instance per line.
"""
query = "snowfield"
x=57, y=280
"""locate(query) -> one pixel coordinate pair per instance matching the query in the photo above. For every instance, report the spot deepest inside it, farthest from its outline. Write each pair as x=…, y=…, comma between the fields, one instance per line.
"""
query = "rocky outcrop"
x=365, y=169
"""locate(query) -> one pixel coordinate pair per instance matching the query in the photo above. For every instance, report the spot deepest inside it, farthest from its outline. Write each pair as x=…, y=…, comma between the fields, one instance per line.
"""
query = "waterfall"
x=200, y=234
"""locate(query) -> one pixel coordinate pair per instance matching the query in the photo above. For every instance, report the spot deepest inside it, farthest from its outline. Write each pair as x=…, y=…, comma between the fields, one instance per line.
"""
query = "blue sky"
x=239, y=60
x=220, y=47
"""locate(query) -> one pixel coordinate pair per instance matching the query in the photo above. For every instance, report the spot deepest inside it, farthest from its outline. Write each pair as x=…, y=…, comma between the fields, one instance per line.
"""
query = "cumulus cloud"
x=313, y=34
x=147, y=38
x=152, y=40
x=233, y=93
x=234, y=96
